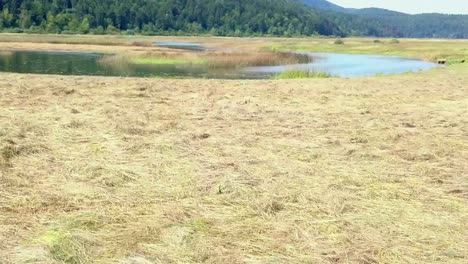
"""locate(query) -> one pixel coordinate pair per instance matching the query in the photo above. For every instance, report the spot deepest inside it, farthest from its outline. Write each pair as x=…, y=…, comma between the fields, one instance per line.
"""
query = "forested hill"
x=388, y=23
x=221, y=18
x=324, y=5
x=216, y=17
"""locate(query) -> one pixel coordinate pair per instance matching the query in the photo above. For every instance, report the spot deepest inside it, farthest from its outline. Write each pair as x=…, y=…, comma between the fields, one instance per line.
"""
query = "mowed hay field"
x=128, y=170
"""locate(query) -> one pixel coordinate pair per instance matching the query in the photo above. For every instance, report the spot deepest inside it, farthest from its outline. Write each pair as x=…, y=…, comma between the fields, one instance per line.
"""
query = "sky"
x=410, y=6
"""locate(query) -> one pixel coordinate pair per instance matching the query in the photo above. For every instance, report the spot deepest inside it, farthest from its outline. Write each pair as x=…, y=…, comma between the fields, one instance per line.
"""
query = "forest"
x=165, y=17
x=422, y=25
x=216, y=17
x=387, y=23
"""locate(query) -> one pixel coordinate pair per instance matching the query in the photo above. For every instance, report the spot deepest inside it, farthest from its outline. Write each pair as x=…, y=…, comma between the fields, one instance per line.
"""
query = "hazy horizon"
x=411, y=7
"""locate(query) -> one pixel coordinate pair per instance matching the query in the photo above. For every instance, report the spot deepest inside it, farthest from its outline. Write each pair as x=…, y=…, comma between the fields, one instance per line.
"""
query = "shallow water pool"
x=352, y=65
x=79, y=63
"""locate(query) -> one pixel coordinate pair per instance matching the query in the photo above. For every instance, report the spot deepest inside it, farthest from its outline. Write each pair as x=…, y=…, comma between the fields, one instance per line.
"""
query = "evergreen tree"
x=216, y=17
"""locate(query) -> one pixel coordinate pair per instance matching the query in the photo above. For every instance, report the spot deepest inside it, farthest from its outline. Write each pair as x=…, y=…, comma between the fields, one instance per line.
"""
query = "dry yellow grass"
x=8, y=46
x=126, y=170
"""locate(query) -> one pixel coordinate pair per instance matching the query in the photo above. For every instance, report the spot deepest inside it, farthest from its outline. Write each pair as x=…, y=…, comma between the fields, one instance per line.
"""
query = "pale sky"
x=410, y=6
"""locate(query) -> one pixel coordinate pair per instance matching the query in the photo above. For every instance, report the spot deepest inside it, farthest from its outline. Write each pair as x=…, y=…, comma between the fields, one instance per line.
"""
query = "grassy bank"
x=66, y=39
x=427, y=49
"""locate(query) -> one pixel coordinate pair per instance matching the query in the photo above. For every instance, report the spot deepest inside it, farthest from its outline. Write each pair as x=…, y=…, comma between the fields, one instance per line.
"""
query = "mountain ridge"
x=327, y=5
x=381, y=22
x=324, y=5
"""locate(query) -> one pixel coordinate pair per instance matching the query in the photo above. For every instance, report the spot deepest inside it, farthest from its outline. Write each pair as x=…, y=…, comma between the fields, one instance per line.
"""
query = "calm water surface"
x=77, y=63
x=352, y=65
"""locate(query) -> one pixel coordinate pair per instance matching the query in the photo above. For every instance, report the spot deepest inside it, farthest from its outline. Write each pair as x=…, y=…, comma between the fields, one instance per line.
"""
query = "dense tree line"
x=423, y=25
x=386, y=23
x=216, y=17
x=221, y=18
x=354, y=25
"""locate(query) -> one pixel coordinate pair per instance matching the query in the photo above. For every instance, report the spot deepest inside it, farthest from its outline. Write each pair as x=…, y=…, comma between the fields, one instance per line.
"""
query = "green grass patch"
x=199, y=225
x=452, y=61
x=163, y=61
x=65, y=246
x=339, y=42
x=301, y=74
x=68, y=240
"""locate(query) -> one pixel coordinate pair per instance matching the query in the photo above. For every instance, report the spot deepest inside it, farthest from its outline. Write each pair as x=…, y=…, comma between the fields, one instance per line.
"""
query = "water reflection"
x=352, y=65
x=75, y=63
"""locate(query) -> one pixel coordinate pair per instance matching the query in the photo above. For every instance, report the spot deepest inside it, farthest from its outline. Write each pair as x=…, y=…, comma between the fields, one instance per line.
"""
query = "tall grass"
x=254, y=58
x=302, y=74
x=113, y=60
x=142, y=44
x=214, y=60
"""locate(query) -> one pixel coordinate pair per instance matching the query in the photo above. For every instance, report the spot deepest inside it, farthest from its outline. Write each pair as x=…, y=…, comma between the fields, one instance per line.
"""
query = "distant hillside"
x=216, y=17
x=387, y=23
x=324, y=5
x=221, y=18
x=372, y=11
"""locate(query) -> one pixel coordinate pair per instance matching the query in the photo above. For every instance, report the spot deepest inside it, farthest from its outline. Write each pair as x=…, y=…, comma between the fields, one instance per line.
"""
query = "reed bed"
x=211, y=59
x=142, y=44
x=152, y=58
x=254, y=58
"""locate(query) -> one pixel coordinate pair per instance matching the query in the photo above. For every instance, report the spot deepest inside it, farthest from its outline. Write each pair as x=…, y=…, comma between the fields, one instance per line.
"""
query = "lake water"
x=352, y=65
x=77, y=63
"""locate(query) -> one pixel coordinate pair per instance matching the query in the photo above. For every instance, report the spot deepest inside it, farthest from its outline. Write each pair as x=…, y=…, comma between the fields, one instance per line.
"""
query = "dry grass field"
x=138, y=171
